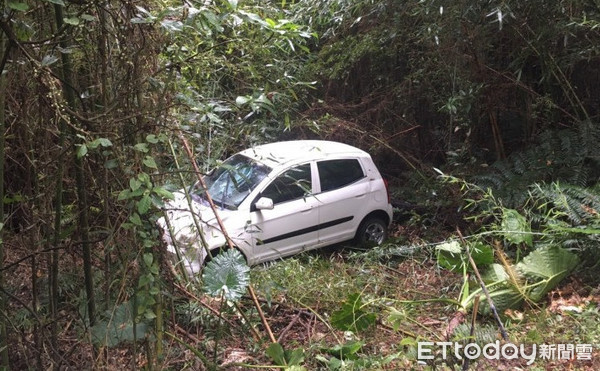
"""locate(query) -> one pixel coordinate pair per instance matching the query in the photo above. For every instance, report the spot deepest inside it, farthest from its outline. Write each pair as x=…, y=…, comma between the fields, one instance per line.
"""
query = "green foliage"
x=505, y=293
x=353, y=316
x=347, y=350
x=546, y=266
x=569, y=205
x=482, y=335
x=422, y=76
x=347, y=356
x=451, y=255
x=225, y=86
x=515, y=228
x=148, y=287
x=530, y=279
x=119, y=325
x=226, y=275
x=291, y=360
x=306, y=277
x=459, y=71
x=565, y=156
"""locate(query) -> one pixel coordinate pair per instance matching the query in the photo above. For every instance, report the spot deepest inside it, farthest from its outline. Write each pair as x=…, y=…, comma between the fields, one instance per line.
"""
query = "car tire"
x=371, y=232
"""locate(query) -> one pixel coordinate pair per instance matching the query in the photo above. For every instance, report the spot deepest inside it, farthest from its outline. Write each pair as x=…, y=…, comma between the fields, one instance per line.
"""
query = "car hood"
x=180, y=226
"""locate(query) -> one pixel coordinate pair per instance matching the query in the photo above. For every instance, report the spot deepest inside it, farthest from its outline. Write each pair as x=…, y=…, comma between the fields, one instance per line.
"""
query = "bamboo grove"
x=94, y=95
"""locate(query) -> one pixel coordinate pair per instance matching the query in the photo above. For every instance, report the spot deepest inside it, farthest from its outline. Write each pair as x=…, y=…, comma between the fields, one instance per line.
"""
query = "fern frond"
x=569, y=156
x=580, y=205
x=482, y=335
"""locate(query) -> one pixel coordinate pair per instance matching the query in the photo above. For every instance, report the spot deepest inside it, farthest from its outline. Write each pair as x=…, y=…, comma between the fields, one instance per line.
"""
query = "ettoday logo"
x=495, y=350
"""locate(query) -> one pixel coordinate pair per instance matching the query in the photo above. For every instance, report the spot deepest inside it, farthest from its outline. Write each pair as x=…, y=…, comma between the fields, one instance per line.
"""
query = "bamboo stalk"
x=484, y=288
x=230, y=244
x=4, y=361
x=80, y=178
x=465, y=365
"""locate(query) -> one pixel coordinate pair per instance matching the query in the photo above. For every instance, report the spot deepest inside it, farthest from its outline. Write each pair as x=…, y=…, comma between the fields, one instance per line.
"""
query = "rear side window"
x=335, y=174
x=294, y=183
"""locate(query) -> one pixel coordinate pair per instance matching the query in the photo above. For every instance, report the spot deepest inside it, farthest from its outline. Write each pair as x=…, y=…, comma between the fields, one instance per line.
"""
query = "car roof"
x=296, y=151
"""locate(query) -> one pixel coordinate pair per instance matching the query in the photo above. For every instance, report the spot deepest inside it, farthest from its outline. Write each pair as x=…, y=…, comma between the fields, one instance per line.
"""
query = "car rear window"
x=335, y=174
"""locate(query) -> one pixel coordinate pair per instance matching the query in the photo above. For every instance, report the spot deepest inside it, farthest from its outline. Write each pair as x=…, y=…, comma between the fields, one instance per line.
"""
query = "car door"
x=291, y=224
x=343, y=191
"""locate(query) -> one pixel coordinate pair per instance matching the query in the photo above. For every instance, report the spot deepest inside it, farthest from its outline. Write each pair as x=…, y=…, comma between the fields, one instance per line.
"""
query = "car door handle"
x=306, y=210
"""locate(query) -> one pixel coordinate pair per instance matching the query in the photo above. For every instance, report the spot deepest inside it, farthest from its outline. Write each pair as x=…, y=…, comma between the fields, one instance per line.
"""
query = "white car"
x=280, y=199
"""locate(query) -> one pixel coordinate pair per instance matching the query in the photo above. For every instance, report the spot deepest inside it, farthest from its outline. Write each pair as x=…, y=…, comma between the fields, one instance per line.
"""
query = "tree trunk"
x=4, y=362
x=80, y=178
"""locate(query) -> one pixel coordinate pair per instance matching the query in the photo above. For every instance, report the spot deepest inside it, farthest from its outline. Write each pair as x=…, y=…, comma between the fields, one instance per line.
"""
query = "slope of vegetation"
x=483, y=115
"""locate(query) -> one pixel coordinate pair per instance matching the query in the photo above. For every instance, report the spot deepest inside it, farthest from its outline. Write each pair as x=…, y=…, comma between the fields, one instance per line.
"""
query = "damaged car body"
x=277, y=200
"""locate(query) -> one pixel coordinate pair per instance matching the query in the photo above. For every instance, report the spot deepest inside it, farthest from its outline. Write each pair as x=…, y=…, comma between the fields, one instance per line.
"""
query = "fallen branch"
x=484, y=288
x=224, y=231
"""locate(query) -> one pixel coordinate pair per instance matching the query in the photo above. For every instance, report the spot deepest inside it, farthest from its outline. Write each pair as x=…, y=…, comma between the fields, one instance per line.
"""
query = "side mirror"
x=264, y=203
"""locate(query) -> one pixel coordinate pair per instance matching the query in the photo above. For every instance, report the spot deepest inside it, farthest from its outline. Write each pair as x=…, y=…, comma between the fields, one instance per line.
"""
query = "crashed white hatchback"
x=280, y=199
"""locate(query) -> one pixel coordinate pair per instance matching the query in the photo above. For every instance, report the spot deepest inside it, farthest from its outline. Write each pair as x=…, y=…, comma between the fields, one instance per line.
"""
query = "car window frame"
x=318, y=173
x=313, y=179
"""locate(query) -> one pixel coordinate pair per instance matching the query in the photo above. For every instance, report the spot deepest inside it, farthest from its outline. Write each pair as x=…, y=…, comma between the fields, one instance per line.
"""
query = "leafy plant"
x=118, y=326
x=569, y=205
x=566, y=156
x=482, y=335
x=346, y=357
x=529, y=280
x=227, y=275
x=451, y=255
x=509, y=284
x=353, y=316
x=546, y=266
x=347, y=350
x=515, y=228
x=290, y=360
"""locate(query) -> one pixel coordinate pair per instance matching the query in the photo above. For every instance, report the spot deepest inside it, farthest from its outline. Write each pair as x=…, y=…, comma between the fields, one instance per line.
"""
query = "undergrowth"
x=569, y=156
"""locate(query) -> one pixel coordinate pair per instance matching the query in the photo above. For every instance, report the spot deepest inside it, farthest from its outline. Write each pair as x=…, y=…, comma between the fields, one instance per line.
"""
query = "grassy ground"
x=405, y=298
x=392, y=281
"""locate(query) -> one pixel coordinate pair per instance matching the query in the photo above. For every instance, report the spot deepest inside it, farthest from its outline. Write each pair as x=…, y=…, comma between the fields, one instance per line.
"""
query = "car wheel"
x=372, y=231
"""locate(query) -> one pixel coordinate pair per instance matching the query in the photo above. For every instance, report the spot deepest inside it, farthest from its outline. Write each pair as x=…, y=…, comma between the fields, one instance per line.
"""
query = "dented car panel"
x=277, y=200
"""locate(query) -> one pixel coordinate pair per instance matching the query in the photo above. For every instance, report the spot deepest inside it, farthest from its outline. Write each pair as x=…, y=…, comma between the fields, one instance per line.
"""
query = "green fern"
x=482, y=335
x=574, y=204
x=569, y=156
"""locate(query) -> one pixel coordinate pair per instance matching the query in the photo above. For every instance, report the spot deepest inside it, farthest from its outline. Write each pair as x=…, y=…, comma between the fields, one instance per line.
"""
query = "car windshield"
x=231, y=182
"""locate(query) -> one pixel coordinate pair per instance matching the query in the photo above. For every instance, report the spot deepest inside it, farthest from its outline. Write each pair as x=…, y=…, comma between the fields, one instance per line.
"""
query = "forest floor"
x=399, y=286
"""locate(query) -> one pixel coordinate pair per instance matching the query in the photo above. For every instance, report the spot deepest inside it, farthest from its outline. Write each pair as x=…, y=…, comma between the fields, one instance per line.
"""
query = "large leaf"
x=347, y=350
x=352, y=317
x=503, y=299
x=283, y=357
x=452, y=256
x=545, y=268
x=19, y=6
x=516, y=228
x=547, y=265
x=494, y=273
x=118, y=327
x=227, y=275
x=502, y=291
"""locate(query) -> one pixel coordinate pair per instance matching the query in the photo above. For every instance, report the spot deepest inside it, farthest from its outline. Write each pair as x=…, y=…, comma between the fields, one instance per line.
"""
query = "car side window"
x=335, y=174
x=292, y=184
